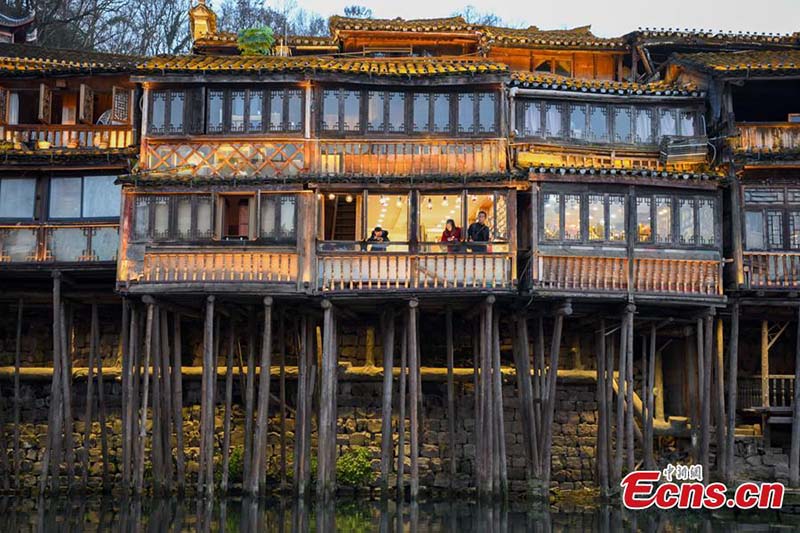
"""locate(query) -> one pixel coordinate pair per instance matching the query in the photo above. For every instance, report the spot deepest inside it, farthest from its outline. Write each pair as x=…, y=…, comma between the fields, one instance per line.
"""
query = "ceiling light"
x=331, y=196
x=445, y=203
x=348, y=198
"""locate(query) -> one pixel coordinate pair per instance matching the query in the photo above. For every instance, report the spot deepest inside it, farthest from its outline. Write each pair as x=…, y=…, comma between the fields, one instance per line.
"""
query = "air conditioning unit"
x=794, y=118
x=683, y=149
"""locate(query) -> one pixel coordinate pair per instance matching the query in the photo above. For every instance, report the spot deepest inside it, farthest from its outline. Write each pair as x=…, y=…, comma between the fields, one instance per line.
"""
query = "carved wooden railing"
x=72, y=136
x=62, y=244
x=772, y=270
x=342, y=271
x=767, y=137
x=223, y=266
x=270, y=157
x=411, y=157
x=781, y=391
x=610, y=274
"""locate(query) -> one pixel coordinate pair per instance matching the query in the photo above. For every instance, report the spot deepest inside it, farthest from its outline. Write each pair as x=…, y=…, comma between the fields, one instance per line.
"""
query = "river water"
x=353, y=515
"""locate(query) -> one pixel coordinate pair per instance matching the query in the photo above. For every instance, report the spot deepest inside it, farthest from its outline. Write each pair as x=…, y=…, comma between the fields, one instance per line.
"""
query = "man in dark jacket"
x=478, y=232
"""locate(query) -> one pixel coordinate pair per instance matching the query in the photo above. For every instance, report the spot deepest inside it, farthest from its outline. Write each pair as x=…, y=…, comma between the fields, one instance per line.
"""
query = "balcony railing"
x=224, y=266
x=781, y=391
x=64, y=244
x=772, y=270
x=610, y=274
x=270, y=157
x=388, y=270
x=73, y=136
x=767, y=137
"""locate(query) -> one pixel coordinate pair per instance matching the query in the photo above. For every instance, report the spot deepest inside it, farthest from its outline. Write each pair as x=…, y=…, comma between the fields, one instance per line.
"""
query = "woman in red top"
x=451, y=235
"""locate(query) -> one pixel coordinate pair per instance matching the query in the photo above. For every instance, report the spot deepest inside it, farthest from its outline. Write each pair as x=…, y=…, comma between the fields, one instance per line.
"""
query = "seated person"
x=377, y=238
x=451, y=235
x=478, y=232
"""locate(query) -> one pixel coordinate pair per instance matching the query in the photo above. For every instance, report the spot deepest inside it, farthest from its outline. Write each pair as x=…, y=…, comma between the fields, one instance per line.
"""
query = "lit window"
x=390, y=213
x=616, y=218
x=572, y=217
x=667, y=122
x=663, y=219
x=597, y=218
x=552, y=216
x=686, y=220
x=644, y=226
x=705, y=219
x=278, y=215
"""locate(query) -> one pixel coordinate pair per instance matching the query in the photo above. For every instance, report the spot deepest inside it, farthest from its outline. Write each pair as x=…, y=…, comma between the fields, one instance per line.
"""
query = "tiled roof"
x=15, y=22
x=626, y=172
x=711, y=37
x=222, y=37
x=749, y=62
x=542, y=80
x=307, y=40
x=337, y=23
x=411, y=67
x=532, y=37
x=25, y=59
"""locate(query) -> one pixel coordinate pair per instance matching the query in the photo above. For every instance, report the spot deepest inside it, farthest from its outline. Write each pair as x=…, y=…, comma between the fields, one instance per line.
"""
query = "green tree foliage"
x=353, y=467
x=256, y=41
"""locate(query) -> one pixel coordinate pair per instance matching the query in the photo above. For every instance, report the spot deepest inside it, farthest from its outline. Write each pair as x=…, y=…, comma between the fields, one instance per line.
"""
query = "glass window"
x=466, y=113
x=622, y=125
x=754, y=230
x=552, y=120
x=663, y=219
x=375, y=107
x=184, y=217
x=141, y=221
x=572, y=217
x=552, y=216
x=160, y=206
x=532, y=119
x=276, y=111
x=616, y=218
x=775, y=229
x=101, y=197
x=215, y=107
x=687, y=123
x=237, y=111
x=352, y=116
x=176, y=112
x=255, y=119
x=158, y=112
x=486, y=113
x=441, y=113
x=757, y=195
x=644, y=226
x=434, y=211
x=397, y=113
x=794, y=230
x=598, y=125
x=65, y=198
x=485, y=203
x=644, y=126
x=17, y=198
x=420, y=113
x=268, y=217
x=667, y=122
x=287, y=215
x=278, y=217
x=597, y=218
x=294, y=106
x=577, y=121
x=203, y=229
x=500, y=216
x=705, y=219
x=686, y=220
x=390, y=213
x=330, y=110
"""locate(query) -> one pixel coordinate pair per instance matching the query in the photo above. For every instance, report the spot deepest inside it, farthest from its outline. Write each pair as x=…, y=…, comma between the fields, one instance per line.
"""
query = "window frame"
x=33, y=206
x=785, y=206
x=169, y=128
x=82, y=217
x=278, y=197
x=172, y=219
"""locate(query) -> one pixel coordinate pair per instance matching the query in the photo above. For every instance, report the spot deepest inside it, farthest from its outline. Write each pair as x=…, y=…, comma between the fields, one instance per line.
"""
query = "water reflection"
x=245, y=515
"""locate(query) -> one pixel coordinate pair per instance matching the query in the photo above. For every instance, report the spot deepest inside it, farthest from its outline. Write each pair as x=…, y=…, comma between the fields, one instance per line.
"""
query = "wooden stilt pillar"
x=101, y=406
x=659, y=388
x=401, y=419
x=622, y=370
x=258, y=471
x=610, y=350
x=629, y=417
x=719, y=392
x=252, y=328
x=451, y=401
x=701, y=396
x=476, y=393
x=17, y=398
x=166, y=403
x=649, y=458
x=501, y=486
x=52, y=442
x=705, y=435
x=177, y=402
x=226, y=426
x=148, y=341
x=157, y=441
x=387, y=332
x=487, y=440
x=205, y=486
x=302, y=477
x=602, y=412
x=413, y=389
x=794, y=453
x=549, y=411
x=67, y=344
x=130, y=375
x=733, y=377
x=764, y=375
x=87, y=420
x=522, y=362
x=282, y=393
x=327, y=435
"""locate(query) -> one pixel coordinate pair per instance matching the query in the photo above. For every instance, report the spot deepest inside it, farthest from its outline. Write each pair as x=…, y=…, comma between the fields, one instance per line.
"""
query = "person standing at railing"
x=377, y=239
x=478, y=232
x=451, y=235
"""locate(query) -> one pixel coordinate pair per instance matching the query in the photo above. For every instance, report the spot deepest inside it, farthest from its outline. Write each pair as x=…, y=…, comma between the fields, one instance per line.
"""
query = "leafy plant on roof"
x=256, y=41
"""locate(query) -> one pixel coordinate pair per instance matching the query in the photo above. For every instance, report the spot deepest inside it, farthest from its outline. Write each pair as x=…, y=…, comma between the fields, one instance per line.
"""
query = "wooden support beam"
x=157, y=440
x=87, y=419
x=525, y=390
x=252, y=332
x=630, y=462
x=705, y=430
x=620, y=425
x=148, y=343
x=733, y=376
x=794, y=453
x=205, y=486
x=327, y=418
x=501, y=485
x=177, y=402
x=602, y=412
x=414, y=393
x=282, y=393
x=719, y=395
x=610, y=351
x=17, y=398
x=649, y=458
x=67, y=352
x=130, y=408
x=226, y=425
x=166, y=403
x=258, y=471
x=451, y=401
x=764, y=364
x=401, y=418
x=387, y=332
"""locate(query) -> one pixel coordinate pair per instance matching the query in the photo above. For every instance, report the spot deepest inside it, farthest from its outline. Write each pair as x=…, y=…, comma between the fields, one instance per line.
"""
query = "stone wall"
x=359, y=424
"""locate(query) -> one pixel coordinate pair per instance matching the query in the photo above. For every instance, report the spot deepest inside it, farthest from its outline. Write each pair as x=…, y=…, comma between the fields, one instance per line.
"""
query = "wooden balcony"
x=74, y=136
x=580, y=273
x=781, y=391
x=772, y=270
x=406, y=271
x=91, y=243
x=279, y=158
x=767, y=137
x=224, y=266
